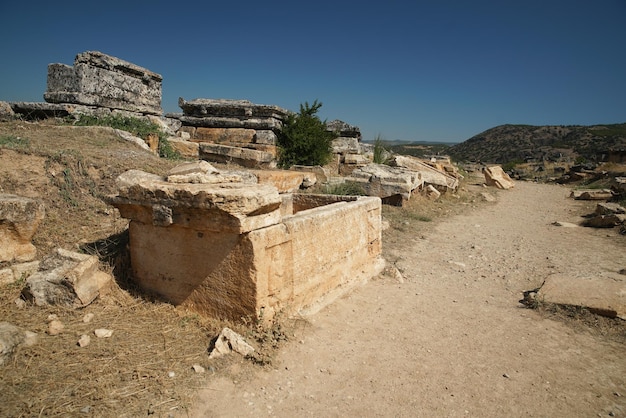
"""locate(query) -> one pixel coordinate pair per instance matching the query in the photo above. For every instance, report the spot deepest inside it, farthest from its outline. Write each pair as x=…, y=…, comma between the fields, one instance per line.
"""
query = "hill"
x=508, y=143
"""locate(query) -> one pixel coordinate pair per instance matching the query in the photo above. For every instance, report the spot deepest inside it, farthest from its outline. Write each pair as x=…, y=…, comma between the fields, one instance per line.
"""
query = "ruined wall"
x=97, y=79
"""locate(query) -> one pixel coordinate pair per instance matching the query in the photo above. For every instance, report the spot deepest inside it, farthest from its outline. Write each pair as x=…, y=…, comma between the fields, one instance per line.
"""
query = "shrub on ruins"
x=304, y=139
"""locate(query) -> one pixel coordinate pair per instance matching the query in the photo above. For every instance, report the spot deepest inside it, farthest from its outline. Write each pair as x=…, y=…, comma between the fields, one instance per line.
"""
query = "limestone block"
x=19, y=219
x=593, y=194
x=603, y=293
x=344, y=145
x=285, y=181
x=235, y=207
x=185, y=148
x=223, y=135
x=440, y=179
x=384, y=181
x=242, y=156
x=495, y=176
x=344, y=129
x=97, y=79
x=356, y=159
x=232, y=122
x=266, y=137
x=6, y=111
x=322, y=174
x=66, y=278
x=242, y=109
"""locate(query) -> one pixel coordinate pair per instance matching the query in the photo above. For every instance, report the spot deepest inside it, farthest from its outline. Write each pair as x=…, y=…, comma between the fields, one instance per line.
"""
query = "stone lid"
x=232, y=108
x=232, y=204
x=100, y=60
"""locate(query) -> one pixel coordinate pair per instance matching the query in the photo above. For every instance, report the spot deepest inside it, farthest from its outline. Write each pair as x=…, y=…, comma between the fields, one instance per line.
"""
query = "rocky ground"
x=447, y=338
x=451, y=338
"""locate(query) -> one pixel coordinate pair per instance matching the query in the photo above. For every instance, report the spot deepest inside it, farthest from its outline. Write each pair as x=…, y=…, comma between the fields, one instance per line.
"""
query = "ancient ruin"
x=228, y=248
x=237, y=131
x=97, y=79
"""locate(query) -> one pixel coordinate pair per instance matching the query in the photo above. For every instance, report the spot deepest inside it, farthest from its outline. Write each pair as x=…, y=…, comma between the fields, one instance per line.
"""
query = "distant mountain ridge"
x=506, y=143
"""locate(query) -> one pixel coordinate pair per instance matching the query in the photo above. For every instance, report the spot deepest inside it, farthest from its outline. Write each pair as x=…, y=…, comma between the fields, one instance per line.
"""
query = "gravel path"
x=452, y=339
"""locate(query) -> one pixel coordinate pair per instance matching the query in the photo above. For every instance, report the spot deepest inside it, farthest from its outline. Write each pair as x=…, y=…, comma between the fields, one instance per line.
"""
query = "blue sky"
x=441, y=70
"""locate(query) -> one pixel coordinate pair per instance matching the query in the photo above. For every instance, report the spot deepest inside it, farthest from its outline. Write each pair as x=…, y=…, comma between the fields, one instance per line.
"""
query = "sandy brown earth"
x=451, y=339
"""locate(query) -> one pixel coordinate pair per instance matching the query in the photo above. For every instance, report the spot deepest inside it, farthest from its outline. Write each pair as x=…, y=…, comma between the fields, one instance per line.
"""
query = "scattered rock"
x=12, y=336
x=495, y=176
x=84, y=340
x=19, y=219
x=564, y=224
x=55, y=327
x=488, y=197
x=593, y=194
x=103, y=333
x=229, y=341
x=198, y=369
x=88, y=317
x=66, y=278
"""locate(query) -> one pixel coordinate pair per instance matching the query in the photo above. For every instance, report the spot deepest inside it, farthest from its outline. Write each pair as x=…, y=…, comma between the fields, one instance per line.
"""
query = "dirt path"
x=452, y=339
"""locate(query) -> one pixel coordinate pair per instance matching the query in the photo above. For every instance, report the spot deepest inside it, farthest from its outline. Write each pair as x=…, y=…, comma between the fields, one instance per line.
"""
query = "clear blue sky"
x=440, y=70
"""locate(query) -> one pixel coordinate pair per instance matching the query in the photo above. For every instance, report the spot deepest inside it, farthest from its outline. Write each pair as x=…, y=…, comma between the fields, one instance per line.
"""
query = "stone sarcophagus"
x=229, y=248
x=97, y=79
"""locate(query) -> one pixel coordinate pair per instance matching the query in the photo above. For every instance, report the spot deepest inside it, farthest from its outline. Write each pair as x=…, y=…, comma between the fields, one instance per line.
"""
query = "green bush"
x=304, y=139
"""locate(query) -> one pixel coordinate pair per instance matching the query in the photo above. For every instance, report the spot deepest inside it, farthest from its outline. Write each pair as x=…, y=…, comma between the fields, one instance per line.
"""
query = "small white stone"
x=198, y=368
x=52, y=317
x=88, y=317
x=103, y=333
x=171, y=374
x=84, y=340
x=55, y=327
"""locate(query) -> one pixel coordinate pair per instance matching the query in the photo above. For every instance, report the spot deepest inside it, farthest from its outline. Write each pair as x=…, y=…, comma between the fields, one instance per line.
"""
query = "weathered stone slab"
x=242, y=156
x=185, y=148
x=241, y=109
x=592, y=194
x=66, y=278
x=344, y=129
x=232, y=122
x=285, y=181
x=343, y=145
x=609, y=208
x=222, y=135
x=322, y=174
x=97, y=79
x=430, y=175
x=496, y=177
x=604, y=294
x=384, y=181
x=19, y=219
x=233, y=207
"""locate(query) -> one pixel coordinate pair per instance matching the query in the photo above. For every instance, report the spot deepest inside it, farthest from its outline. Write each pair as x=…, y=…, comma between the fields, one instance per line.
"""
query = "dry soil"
x=451, y=339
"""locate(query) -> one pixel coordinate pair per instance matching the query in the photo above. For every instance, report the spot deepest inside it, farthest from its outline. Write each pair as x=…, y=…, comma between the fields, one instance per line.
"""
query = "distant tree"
x=304, y=139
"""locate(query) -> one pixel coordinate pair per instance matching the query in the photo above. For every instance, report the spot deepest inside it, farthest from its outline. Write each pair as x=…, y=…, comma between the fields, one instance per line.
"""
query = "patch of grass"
x=141, y=128
x=380, y=153
x=344, y=189
x=14, y=142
